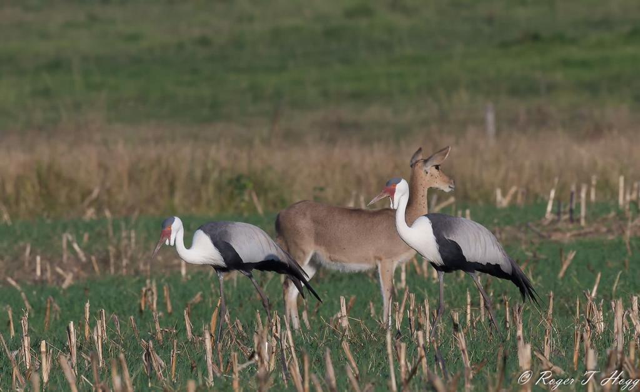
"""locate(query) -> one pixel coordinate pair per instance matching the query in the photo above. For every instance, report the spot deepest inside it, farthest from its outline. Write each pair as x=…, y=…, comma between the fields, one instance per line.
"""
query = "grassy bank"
x=398, y=66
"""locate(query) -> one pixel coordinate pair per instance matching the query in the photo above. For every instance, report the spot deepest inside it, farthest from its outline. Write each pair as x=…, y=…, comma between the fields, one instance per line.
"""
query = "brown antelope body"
x=349, y=239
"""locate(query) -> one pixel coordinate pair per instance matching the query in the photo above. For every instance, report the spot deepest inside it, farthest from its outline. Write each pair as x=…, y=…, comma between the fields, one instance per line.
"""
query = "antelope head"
x=426, y=173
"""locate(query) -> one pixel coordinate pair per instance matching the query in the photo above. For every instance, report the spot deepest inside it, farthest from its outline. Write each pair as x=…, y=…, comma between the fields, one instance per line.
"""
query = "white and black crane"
x=455, y=244
x=233, y=246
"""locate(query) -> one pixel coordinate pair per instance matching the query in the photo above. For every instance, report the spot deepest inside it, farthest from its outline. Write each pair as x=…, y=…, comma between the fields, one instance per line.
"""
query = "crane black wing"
x=468, y=246
x=247, y=247
x=466, y=242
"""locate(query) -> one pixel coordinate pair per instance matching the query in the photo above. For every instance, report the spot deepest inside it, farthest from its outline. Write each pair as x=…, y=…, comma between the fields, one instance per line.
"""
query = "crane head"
x=165, y=235
x=389, y=190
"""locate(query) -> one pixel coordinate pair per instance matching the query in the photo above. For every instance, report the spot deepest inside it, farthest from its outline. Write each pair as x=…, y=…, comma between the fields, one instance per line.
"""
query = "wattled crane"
x=455, y=244
x=233, y=246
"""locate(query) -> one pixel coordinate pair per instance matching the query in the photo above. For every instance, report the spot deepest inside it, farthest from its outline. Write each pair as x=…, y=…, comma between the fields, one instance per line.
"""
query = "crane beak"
x=386, y=192
x=164, y=237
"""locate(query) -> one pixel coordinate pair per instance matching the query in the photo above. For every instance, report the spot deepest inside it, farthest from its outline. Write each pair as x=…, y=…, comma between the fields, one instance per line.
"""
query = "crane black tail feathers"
x=289, y=267
x=524, y=284
x=300, y=275
x=298, y=281
x=297, y=275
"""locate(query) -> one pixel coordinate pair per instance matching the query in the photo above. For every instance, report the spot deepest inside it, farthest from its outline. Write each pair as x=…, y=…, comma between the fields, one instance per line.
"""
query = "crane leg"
x=487, y=301
x=265, y=303
x=265, y=300
x=440, y=304
x=434, y=331
x=223, y=306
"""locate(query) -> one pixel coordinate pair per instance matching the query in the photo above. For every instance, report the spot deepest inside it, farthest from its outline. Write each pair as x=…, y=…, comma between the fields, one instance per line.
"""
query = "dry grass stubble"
x=76, y=178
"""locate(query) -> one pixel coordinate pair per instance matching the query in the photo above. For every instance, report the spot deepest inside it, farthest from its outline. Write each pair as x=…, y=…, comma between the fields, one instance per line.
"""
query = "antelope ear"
x=416, y=157
x=438, y=157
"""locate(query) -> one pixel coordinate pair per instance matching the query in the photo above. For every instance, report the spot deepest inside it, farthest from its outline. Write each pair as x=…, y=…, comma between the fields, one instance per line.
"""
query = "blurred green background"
x=180, y=63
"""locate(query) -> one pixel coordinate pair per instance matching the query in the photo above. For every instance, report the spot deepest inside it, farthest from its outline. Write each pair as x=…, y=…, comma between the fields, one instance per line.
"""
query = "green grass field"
x=120, y=296
x=400, y=65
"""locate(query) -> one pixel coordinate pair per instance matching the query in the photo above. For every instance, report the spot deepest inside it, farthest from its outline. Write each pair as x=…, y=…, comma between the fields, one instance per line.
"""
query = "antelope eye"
x=437, y=167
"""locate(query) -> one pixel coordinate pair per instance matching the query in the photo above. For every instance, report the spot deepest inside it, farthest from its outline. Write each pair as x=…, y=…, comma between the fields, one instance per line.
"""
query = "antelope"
x=352, y=240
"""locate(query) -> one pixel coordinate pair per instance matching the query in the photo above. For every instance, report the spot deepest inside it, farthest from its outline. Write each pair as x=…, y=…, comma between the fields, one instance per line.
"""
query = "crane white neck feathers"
x=419, y=235
x=202, y=250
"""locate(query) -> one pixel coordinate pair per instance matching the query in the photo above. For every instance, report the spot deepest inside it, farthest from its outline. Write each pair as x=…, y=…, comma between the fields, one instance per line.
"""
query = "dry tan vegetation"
x=77, y=176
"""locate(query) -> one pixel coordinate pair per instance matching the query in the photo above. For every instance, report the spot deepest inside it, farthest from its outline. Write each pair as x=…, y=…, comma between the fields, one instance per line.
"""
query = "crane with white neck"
x=455, y=244
x=233, y=246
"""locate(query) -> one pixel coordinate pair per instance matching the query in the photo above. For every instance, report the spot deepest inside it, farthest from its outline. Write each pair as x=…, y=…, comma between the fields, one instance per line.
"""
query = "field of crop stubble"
x=116, y=114
x=121, y=307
